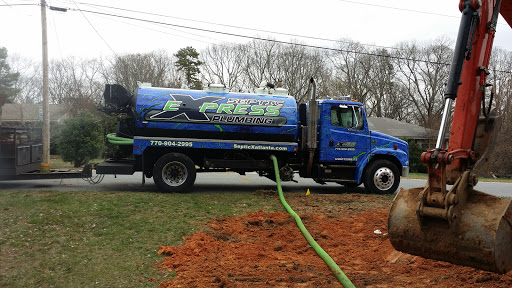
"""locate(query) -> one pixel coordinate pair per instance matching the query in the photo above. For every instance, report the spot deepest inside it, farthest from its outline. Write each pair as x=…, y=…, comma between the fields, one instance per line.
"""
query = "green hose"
x=327, y=259
x=112, y=138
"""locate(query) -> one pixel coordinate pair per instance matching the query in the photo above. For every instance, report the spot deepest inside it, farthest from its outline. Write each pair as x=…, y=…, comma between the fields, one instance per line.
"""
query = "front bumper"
x=405, y=171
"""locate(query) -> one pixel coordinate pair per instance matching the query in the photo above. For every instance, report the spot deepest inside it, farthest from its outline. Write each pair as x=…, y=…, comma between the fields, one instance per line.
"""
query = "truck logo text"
x=185, y=108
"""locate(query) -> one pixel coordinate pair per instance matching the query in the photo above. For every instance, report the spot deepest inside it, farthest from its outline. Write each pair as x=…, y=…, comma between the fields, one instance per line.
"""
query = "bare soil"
x=266, y=249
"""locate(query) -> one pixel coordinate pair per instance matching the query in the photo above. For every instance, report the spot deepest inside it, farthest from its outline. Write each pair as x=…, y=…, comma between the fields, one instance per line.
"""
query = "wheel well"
x=152, y=154
x=390, y=158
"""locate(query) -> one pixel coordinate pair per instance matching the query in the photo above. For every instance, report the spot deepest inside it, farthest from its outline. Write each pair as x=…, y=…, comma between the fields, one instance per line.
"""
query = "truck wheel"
x=382, y=177
x=174, y=172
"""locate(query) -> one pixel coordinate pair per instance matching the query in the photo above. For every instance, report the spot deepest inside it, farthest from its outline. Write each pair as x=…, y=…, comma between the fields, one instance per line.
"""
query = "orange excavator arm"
x=458, y=224
x=506, y=11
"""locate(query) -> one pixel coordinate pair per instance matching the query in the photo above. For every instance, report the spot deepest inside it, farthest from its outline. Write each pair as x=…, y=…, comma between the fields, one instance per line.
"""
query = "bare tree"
x=224, y=64
x=259, y=61
x=155, y=67
x=295, y=65
x=58, y=81
x=76, y=82
x=351, y=70
x=423, y=70
x=28, y=85
x=384, y=93
x=397, y=106
x=501, y=78
x=244, y=67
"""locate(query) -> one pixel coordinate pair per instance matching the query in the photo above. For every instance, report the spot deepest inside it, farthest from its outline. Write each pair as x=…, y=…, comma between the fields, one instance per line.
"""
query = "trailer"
x=21, y=154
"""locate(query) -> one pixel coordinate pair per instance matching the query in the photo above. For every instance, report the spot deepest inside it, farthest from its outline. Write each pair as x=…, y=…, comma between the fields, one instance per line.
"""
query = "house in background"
x=14, y=114
x=424, y=137
x=3, y=97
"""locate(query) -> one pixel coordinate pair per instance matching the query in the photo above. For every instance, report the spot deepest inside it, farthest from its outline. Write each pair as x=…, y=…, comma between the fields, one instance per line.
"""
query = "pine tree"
x=188, y=62
x=7, y=79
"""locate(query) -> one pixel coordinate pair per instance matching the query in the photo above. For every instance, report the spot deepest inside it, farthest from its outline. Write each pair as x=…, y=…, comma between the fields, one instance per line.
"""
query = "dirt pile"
x=267, y=250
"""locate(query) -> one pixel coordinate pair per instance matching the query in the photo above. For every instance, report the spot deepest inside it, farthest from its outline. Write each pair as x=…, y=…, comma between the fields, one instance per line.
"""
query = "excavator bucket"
x=479, y=236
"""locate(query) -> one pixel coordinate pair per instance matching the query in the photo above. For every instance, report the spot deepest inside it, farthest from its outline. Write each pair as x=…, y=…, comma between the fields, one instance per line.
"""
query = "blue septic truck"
x=171, y=134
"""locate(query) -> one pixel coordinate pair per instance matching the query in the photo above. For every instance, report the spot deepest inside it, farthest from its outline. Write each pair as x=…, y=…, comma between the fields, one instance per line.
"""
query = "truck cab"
x=350, y=154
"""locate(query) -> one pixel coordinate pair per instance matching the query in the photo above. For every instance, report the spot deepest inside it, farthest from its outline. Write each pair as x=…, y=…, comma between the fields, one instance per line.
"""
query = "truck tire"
x=381, y=177
x=174, y=172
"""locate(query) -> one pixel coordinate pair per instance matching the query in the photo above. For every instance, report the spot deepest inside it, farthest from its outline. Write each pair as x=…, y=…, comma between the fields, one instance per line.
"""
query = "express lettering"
x=236, y=106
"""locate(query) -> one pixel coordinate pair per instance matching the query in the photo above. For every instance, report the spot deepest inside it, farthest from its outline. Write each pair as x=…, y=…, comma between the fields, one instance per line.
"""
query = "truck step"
x=238, y=164
x=118, y=168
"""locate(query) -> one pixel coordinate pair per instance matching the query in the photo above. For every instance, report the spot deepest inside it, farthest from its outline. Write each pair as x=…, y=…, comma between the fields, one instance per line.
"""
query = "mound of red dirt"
x=267, y=250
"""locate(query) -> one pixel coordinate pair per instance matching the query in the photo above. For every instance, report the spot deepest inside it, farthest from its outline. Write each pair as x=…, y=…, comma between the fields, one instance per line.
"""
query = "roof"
x=399, y=129
x=340, y=101
x=30, y=112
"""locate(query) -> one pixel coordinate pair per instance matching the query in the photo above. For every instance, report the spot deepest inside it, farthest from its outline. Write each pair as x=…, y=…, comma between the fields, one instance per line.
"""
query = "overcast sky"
x=86, y=34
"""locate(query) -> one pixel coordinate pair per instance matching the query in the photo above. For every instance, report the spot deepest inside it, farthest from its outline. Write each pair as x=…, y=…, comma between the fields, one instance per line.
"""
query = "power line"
x=247, y=37
x=271, y=40
x=57, y=36
x=396, y=8
x=6, y=3
x=402, y=9
x=177, y=30
x=95, y=29
x=206, y=30
x=254, y=38
x=229, y=26
x=159, y=31
x=12, y=5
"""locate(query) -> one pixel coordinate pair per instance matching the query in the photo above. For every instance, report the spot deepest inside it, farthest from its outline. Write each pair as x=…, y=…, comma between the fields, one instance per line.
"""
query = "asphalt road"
x=221, y=182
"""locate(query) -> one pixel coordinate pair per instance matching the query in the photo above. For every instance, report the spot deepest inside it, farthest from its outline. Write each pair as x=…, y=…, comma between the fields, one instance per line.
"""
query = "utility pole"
x=45, y=164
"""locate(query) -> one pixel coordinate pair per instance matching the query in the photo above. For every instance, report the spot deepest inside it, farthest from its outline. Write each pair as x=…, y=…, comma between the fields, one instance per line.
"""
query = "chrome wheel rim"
x=174, y=173
x=383, y=178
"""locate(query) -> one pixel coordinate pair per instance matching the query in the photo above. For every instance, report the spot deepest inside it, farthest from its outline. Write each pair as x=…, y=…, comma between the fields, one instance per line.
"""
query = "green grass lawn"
x=102, y=239
x=57, y=163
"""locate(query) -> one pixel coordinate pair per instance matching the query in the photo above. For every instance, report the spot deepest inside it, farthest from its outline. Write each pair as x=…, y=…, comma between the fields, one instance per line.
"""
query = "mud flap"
x=480, y=237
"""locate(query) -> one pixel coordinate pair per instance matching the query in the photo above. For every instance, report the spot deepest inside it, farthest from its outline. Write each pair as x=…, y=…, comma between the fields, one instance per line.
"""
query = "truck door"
x=344, y=136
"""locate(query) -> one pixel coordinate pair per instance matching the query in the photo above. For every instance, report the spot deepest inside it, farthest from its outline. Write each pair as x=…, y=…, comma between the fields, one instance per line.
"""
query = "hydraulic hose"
x=112, y=138
x=327, y=259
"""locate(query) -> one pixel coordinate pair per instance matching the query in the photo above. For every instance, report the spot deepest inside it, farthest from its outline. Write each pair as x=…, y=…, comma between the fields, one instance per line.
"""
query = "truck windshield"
x=349, y=117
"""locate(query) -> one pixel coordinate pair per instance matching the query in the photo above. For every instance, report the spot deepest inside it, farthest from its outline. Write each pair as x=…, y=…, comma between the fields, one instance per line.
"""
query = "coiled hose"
x=327, y=259
x=112, y=138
